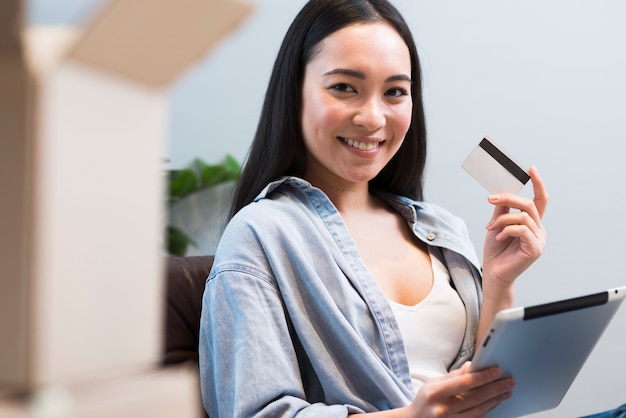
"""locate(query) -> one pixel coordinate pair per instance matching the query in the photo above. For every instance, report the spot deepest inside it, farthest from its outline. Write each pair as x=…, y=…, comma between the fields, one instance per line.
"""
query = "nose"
x=370, y=115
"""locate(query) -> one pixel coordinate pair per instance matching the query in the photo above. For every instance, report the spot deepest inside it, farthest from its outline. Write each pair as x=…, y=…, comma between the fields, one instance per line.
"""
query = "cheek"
x=403, y=120
x=320, y=118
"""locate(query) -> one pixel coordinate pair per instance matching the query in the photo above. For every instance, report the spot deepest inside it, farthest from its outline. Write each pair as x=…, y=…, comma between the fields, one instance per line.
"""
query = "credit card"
x=495, y=169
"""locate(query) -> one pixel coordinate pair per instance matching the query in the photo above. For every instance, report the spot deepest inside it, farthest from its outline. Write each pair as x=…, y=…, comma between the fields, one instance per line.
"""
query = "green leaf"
x=199, y=165
x=214, y=174
x=178, y=241
x=232, y=165
x=182, y=182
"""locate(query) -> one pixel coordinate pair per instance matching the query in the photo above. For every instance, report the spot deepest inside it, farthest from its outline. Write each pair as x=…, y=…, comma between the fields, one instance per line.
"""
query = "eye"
x=396, y=92
x=343, y=87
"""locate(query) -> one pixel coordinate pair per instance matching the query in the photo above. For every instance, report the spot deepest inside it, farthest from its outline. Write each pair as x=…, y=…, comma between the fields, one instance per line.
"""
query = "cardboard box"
x=166, y=394
x=82, y=147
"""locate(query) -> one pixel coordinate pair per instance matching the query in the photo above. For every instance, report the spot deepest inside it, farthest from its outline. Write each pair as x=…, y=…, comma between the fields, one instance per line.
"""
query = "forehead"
x=374, y=45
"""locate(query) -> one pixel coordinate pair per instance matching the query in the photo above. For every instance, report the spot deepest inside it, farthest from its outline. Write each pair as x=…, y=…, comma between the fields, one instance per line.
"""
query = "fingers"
x=504, y=202
x=465, y=394
x=535, y=207
x=483, y=398
x=467, y=381
x=517, y=225
x=539, y=190
x=462, y=382
x=530, y=211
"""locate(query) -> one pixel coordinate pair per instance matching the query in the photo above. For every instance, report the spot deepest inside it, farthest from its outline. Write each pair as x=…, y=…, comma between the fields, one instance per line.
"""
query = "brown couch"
x=185, y=278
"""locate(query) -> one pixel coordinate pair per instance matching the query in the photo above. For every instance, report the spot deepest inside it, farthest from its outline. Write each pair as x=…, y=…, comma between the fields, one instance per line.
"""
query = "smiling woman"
x=332, y=275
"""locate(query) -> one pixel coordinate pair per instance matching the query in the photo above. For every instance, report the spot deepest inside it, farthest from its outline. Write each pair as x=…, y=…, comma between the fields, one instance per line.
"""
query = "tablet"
x=544, y=347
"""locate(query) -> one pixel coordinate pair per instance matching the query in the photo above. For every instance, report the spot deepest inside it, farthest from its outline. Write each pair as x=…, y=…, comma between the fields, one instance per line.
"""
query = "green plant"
x=181, y=183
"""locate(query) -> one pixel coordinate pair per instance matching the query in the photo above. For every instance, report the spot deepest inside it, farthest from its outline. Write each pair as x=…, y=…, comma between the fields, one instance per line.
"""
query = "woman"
x=335, y=289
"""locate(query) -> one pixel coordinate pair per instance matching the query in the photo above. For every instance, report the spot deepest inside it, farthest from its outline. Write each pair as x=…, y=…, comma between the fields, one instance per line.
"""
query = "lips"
x=361, y=145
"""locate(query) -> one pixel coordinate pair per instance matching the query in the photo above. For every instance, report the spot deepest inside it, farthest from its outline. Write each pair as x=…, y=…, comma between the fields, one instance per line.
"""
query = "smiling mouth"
x=363, y=146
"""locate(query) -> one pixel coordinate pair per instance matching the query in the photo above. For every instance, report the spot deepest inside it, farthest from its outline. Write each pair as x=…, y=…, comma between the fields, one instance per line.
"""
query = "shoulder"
x=282, y=227
x=286, y=200
x=286, y=211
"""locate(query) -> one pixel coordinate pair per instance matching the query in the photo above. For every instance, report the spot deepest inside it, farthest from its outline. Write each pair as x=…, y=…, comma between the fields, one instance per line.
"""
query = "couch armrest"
x=185, y=280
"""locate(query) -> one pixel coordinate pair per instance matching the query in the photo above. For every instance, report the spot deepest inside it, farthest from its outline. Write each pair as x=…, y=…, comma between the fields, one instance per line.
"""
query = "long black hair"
x=278, y=146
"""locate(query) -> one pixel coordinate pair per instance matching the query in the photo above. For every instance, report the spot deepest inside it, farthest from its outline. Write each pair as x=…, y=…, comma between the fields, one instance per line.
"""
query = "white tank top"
x=433, y=329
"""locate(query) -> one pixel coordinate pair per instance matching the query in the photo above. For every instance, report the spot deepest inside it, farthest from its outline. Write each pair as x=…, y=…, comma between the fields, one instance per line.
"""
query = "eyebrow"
x=361, y=76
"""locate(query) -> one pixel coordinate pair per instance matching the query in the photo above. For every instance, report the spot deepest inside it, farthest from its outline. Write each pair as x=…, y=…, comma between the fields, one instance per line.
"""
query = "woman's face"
x=356, y=103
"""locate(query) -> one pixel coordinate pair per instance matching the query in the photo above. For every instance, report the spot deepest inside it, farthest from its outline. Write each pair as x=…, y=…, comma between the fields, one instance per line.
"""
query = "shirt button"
x=431, y=236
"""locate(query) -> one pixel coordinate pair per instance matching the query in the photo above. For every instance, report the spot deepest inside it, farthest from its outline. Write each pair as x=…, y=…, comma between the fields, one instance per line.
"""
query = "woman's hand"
x=515, y=235
x=515, y=239
x=461, y=394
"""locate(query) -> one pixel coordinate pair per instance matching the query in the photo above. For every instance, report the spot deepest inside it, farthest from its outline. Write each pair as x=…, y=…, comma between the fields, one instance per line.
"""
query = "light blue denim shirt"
x=293, y=324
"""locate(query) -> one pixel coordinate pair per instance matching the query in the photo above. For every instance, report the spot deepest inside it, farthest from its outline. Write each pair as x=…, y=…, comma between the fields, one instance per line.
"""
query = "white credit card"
x=495, y=169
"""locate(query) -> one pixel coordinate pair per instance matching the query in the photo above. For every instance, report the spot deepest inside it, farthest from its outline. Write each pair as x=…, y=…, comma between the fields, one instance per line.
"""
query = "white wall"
x=545, y=79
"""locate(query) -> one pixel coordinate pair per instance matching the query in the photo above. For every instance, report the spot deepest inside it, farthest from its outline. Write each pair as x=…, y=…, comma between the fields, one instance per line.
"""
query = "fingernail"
x=490, y=224
x=507, y=395
x=493, y=198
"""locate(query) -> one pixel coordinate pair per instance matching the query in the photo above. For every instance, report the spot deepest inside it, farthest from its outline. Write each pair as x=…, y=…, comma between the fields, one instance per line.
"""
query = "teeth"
x=363, y=146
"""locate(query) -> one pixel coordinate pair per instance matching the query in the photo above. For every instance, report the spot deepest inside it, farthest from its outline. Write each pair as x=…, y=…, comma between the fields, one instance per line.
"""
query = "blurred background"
x=544, y=79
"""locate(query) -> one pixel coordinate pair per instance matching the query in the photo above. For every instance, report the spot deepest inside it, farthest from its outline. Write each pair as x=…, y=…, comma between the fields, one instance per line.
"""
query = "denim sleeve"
x=248, y=363
x=619, y=412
